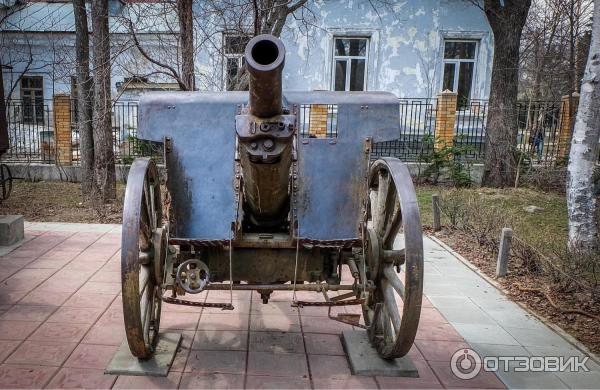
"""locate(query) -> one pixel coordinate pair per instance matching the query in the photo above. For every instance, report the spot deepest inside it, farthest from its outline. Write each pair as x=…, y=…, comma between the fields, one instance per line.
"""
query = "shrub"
x=445, y=160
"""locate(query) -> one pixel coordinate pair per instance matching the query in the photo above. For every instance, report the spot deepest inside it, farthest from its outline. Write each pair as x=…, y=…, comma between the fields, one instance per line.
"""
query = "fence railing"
x=33, y=138
x=540, y=133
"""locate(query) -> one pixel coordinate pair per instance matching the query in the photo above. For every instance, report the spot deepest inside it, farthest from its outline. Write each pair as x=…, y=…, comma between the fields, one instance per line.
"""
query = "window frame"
x=348, y=60
x=227, y=56
x=36, y=117
x=456, y=62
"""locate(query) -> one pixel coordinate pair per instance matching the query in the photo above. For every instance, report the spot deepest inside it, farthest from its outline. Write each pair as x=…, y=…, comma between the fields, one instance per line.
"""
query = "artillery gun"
x=255, y=201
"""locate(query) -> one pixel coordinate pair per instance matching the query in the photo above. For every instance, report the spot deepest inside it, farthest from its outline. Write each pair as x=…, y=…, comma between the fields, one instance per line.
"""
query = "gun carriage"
x=253, y=202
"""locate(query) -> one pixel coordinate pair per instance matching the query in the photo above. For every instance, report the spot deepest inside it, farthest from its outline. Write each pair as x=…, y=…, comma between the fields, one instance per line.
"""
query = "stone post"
x=504, y=252
x=318, y=121
x=62, y=129
x=445, y=119
x=568, y=112
x=435, y=206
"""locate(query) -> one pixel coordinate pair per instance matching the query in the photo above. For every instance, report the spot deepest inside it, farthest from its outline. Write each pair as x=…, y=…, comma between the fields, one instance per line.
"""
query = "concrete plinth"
x=364, y=360
x=124, y=363
x=12, y=229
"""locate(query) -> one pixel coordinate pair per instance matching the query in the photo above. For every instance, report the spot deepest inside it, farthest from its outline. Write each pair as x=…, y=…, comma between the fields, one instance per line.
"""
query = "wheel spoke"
x=144, y=234
x=388, y=334
x=144, y=280
x=379, y=218
x=392, y=306
x=393, y=226
x=148, y=204
x=153, y=206
x=146, y=314
x=392, y=277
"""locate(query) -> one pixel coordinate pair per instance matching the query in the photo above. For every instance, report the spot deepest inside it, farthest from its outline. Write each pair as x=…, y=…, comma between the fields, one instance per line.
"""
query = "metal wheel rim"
x=142, y=216
x=6, y=180
x=392, y=331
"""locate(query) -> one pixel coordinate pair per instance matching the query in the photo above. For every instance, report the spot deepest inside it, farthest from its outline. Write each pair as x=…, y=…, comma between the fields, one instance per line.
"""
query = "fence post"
x=62, y=129
x=435, y=205
x=568, y=112
x=445, y=119
x=504, y=252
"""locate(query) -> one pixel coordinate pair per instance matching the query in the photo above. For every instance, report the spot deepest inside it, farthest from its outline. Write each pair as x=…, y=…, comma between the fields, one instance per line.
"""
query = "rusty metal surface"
x=347, y=302
x=184, y=302
x=265, y=136
x=265, y=58
x=316, y=287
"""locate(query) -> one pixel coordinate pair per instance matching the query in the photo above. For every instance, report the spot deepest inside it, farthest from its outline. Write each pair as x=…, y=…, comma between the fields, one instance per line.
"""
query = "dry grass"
x=58, y=202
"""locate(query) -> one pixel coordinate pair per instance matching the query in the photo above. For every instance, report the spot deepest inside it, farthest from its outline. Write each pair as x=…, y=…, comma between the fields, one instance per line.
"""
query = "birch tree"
x=581, y=199
x=104, y=157
x=84, y=98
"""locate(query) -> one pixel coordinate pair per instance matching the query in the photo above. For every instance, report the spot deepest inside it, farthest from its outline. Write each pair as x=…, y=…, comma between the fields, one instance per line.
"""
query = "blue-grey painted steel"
x=332, y=172
x=201, y=161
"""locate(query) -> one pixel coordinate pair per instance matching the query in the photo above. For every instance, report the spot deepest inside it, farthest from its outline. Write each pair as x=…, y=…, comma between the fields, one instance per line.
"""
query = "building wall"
x=405, y=47
x=405, y=44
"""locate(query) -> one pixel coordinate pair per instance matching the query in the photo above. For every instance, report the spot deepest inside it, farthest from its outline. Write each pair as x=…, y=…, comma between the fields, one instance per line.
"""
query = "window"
x=32, y=96
x=350, y=64
x=459, y=69
x=233, y=48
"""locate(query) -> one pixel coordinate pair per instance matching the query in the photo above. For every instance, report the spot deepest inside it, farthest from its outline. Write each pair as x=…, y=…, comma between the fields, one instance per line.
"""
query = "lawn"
x=546, y=229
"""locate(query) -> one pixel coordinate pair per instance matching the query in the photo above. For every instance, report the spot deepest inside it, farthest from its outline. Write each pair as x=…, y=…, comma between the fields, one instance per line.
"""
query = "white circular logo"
x=465, y=363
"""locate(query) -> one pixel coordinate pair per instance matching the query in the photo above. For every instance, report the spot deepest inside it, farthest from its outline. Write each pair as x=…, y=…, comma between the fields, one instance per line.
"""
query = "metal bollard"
x=504, y=252
x=435, y=205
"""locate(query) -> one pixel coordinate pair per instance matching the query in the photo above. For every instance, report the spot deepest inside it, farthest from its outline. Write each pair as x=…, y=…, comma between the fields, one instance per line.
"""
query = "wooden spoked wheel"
x=6, y=181
x=143, y=252
x=392, y=309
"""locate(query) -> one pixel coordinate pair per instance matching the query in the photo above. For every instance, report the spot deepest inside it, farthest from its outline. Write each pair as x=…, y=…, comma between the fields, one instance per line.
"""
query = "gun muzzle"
x=265, y=57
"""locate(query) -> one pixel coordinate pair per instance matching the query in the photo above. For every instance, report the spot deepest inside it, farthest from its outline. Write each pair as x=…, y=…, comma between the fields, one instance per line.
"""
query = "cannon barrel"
x=265, y=57
x=265, y=134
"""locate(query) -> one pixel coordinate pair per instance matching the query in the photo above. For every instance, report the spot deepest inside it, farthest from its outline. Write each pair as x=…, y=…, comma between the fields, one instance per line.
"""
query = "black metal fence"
x=30, y=131
x=539, y=136
x=32, y=138
x=32, y=135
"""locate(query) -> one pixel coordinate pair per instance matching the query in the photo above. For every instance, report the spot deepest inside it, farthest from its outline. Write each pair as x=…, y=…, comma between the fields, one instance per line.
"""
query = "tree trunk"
x=581, y=199
x=3, y=125
x=84, y=98
x=186, y=36
x=104, y=158
x=507, y=23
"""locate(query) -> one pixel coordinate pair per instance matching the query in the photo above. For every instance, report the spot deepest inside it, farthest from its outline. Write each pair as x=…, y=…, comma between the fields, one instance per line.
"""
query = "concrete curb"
x=558, y=330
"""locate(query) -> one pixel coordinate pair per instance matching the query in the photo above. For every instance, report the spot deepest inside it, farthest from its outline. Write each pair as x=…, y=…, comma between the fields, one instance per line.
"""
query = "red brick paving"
x=61, y=322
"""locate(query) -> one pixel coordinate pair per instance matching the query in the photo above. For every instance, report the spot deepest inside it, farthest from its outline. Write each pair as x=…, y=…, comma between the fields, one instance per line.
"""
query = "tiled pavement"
x=61, y=322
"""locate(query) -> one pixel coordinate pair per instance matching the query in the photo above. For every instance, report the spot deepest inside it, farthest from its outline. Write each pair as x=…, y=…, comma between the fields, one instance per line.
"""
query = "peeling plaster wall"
x=405, y=46
x=406, y=41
